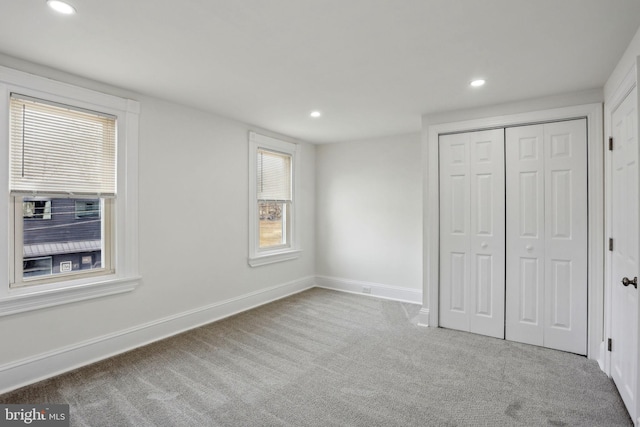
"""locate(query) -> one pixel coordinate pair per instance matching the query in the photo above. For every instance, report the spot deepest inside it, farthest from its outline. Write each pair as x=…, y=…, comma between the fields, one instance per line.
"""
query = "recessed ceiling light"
x=315, y=114
x=61, y=7
x=477, y=83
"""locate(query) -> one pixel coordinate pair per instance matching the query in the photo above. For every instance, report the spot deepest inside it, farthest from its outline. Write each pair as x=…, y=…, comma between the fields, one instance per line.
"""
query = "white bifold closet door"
x=472, y=241
x=546, y=236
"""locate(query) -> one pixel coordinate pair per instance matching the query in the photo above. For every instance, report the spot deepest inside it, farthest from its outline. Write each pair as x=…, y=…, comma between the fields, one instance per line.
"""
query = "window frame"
x=262, y=256
x=123, y=275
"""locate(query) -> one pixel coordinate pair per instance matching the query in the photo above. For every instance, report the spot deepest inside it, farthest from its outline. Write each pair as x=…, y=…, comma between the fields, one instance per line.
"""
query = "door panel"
x=454, y=232
x=458, y=282
x=472, y=232
x=458, y=204
x=487, y=232
x=560, y=204
x=547, y=235
x=565, y=321
x=529, y=310
x=484, y=208
x=529, y=196
x=484, y=281
x=561, y=298
x=624, y=257
x=525, y=233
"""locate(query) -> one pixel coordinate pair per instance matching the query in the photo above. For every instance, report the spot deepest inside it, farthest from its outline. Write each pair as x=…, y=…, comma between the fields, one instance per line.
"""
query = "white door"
x=624, y=256
x=546, y=188
x=472, y=232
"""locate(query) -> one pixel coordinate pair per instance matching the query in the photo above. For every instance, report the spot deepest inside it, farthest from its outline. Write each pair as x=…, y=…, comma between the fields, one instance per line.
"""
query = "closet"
x=513, y=233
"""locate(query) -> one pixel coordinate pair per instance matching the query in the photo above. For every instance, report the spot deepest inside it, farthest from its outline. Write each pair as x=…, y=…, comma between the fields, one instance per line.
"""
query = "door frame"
x=628, y=83
x=429, y=315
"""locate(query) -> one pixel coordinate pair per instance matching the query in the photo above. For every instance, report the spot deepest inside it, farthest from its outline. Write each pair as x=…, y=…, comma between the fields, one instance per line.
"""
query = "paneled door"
x=546, y=229
x=472, y=232
x=624, y=255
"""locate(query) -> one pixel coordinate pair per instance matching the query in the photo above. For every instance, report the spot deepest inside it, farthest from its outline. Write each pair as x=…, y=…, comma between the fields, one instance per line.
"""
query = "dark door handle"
x=627, y=282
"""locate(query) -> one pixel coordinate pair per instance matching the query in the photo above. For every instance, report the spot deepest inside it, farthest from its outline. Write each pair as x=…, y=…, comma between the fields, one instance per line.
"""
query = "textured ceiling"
x=373, y=67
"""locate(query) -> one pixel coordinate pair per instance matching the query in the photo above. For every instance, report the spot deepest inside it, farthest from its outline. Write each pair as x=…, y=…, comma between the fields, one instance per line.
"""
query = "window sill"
x=258, y=260
x=34, y=298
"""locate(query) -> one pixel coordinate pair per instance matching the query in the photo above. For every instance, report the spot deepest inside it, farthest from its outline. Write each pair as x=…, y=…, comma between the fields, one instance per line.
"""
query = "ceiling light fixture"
x=477, y=83
x=315, y=114
x=61, y=7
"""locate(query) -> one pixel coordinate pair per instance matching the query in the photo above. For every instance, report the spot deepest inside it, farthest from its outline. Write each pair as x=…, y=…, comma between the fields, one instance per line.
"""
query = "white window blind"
x=273, y=176
x=58, y=150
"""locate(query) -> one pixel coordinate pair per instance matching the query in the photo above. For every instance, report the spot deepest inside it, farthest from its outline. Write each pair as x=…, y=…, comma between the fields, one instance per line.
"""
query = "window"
x=60, y=150
x=74, y=233
x=273, y=172
x=87, y=208
x=36, y=209
x=272, y=178
x=69, y=199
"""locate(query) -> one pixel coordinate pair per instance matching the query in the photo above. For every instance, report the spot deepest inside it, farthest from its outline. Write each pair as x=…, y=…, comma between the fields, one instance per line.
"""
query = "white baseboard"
x=46, y=365
x=423, y=317
x=379, y=290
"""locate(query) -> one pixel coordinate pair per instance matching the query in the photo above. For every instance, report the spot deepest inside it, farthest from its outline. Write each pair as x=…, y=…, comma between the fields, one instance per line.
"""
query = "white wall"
x=193, y=199
x=628, y=60
x=368, y=227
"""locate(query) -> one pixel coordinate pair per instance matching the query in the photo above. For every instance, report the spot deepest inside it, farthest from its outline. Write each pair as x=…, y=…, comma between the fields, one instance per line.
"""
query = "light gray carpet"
x=324, y=358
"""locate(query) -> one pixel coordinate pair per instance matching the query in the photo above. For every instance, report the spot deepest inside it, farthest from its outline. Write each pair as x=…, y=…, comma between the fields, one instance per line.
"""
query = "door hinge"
x=610, y=143
x=609, y=344
x=610, y=244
